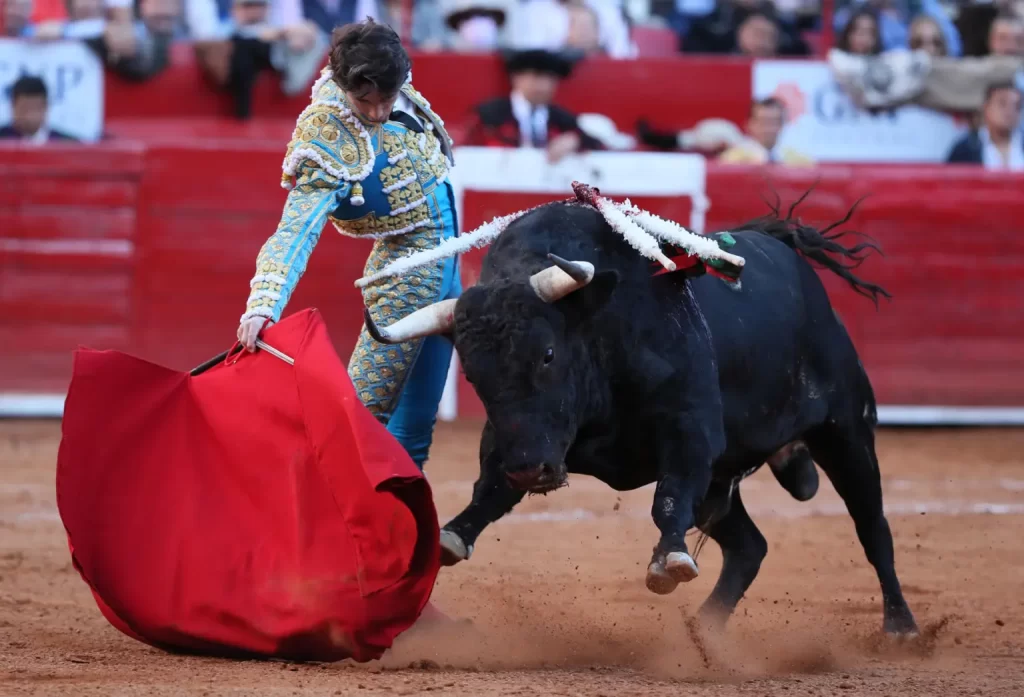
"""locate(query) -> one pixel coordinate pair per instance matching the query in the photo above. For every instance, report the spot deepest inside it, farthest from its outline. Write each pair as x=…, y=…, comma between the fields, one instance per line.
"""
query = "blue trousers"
x=412, y=421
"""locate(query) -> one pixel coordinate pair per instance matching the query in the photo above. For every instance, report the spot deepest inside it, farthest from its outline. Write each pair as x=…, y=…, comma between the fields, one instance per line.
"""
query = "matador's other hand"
x=249, y=330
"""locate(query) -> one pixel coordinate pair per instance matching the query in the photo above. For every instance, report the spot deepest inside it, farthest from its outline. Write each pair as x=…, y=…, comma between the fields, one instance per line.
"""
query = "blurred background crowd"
x=964, y=58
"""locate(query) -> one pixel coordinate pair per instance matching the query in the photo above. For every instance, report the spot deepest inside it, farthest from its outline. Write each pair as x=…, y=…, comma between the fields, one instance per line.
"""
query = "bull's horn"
x=437, y=318
x=556, y=282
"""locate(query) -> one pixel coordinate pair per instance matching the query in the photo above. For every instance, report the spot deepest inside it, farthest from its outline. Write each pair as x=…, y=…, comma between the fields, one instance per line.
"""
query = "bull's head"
x=524, y=349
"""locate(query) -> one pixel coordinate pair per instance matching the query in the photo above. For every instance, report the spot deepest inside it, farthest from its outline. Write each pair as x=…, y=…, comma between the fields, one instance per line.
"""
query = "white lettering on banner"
x=825, y=124
x=74, y=81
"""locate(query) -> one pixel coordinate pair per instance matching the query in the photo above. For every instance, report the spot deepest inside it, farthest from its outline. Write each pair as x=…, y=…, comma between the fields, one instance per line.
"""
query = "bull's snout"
x=539, y=478
x=527, y=476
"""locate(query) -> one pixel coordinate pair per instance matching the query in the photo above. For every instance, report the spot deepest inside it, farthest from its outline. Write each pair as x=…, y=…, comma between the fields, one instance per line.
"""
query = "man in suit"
x=29, y=104
x=527, y=117
x=998, y=144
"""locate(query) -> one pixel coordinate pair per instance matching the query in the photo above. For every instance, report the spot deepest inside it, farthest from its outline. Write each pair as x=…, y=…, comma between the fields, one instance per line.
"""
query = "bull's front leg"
x=493, y=497
x=684, y=464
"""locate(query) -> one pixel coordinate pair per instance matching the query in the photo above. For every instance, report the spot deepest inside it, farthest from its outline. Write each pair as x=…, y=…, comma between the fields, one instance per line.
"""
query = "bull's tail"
x=821, y=247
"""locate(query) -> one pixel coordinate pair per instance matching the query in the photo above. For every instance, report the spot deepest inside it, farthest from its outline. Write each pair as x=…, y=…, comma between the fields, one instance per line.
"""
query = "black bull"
x=691, y=384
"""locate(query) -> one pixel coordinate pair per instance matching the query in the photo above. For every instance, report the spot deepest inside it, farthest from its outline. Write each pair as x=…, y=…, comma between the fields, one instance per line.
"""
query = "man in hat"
x=527, y=117
x=475, y=25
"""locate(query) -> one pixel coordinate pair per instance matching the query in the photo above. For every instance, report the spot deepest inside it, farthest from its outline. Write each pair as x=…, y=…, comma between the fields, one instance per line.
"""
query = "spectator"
x=546, y=24
x=528, y=117
x=120, y=11
x=861, y=35
x=29, y=107
x=894, y=17
x=17, y=18
x=262, y=36
x=767, y=117
x=426, y=27
x=758, y=35
x=1006, y=36
x=475, y=26
x=719, y=31
x=135, y=50
x=584, y=34
x=162, y=17
x=998, y=144
x=328, y=14
x=926, y=35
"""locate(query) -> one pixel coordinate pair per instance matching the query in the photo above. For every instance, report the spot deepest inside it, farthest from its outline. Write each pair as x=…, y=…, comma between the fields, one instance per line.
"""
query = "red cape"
x=255, y=509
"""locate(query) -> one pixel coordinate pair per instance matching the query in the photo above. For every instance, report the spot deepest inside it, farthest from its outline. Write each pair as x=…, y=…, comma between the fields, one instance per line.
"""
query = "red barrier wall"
x=670, y=92
x=150, y=251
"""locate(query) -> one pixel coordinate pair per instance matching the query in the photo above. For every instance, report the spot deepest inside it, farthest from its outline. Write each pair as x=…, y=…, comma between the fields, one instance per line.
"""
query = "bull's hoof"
x=453, y=549
x=664, y=576
x=901, y=626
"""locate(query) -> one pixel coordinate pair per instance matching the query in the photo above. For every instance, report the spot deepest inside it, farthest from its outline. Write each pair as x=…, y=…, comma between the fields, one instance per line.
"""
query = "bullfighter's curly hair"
x=367, y=55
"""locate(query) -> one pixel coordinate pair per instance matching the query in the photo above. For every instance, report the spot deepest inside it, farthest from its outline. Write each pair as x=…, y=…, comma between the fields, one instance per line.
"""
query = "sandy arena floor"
x=557, y=595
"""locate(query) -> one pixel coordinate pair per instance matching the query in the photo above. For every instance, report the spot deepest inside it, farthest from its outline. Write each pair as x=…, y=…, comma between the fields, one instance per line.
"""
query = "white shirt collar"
x=39, y=137
x=528, y=117
x=403, y=103
x=993, y=159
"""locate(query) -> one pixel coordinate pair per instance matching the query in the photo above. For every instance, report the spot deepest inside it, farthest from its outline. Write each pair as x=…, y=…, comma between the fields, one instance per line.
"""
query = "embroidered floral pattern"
x=330, y=158
x=378, y=371
x=282, y=259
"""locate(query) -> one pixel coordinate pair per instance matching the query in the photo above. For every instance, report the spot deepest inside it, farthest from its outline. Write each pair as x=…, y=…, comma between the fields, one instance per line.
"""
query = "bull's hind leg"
x=847, y=455
x=743, y=549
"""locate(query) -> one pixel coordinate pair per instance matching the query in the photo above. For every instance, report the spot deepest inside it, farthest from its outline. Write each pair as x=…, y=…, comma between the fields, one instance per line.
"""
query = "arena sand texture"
x=557, y=598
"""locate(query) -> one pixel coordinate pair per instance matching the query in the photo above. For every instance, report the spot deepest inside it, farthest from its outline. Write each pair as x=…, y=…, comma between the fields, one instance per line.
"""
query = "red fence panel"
x=150, y=251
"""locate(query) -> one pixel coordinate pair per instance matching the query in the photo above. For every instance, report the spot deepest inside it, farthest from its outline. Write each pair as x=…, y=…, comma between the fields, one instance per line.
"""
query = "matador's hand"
x=249, y=330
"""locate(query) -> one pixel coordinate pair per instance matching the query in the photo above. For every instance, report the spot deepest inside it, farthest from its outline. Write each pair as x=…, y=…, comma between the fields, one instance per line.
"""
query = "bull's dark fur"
x=692, y=384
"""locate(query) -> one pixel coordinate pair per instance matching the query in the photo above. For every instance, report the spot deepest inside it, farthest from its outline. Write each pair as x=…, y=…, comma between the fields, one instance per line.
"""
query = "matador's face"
x=372, y=106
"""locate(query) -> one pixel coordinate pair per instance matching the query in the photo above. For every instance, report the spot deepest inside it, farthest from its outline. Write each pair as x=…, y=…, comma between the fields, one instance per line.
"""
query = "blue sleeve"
x=283, y=258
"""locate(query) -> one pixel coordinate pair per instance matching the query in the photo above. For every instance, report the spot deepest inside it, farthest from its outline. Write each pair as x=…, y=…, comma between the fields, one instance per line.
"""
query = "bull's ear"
x=579, y=306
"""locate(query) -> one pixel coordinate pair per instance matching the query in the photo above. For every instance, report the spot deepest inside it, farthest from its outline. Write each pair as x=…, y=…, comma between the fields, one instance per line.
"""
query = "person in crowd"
x=584, y=34
x=748, y=27
x=861, y=35
x=17, y=18
x=998, y=144
x=926, y=35
x=528, y=116
x=1006, y=35
x=767, y=117
x=757, y=35
x=475, y=26
x=552, y=24
x=134, y=49
x=894, y=17
x=258, y=37
x=425, y=24
x=931, y=77
x=328, y=14
x=30, y=105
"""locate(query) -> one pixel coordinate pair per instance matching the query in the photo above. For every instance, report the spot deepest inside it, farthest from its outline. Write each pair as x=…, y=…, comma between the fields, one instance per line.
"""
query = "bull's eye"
x=549, y=355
